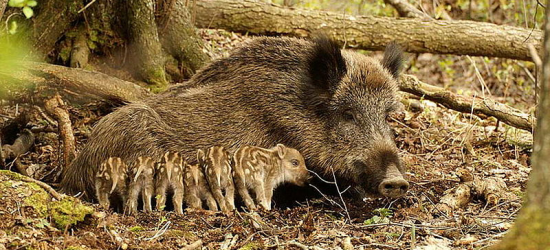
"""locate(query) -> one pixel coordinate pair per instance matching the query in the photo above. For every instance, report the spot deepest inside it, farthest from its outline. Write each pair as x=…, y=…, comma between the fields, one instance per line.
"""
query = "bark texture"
x=53, y=18
x=532, y=227
x=145, y=43
x=82, y=84
x=367, y=32
x=406, y=9
x=56, y=107
x=179, y=37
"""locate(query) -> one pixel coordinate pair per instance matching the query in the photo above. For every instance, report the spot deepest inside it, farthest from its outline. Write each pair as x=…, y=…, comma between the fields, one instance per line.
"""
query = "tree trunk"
x=179, y=37
x=53, y=18
x=368, y=32
x=532, y=227
x=144, y=41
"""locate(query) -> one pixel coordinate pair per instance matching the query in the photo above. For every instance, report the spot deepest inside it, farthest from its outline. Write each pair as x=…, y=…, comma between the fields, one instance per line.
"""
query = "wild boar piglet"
x=141, y=182
x=170, y=175
x=111, y=178
x=262, y=170
x=216, y=163
x=196, y=188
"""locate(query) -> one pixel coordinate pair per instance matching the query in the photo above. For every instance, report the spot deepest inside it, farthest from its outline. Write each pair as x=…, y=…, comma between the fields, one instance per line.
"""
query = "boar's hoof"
x=393, y=188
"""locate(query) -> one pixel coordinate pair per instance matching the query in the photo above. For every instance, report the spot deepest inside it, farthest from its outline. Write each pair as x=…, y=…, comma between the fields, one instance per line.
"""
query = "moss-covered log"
x=369, y=32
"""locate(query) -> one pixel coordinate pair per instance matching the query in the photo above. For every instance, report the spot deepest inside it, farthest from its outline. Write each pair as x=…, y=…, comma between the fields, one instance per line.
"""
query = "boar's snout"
x=394, y=187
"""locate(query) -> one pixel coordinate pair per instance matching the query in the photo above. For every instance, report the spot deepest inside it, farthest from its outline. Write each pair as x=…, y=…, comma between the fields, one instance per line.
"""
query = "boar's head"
x=353, y=95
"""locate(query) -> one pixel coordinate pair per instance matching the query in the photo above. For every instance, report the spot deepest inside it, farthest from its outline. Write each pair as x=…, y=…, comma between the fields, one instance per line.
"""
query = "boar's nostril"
x=393, y=188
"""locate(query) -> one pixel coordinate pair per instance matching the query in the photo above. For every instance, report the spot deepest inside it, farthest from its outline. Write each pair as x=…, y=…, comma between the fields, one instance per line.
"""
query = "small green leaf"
x=32, y=3
x=12, y=27
x=17, y=3
x=28, y=11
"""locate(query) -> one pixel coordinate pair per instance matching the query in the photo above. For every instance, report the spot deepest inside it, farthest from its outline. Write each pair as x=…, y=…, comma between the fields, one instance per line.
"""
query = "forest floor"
x=467, y=178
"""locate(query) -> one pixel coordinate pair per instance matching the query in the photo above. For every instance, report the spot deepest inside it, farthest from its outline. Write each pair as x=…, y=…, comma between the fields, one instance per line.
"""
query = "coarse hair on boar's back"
x=330, y=104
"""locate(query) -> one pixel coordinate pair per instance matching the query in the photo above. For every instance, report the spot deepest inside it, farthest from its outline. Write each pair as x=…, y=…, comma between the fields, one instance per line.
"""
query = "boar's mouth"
x=375, y=184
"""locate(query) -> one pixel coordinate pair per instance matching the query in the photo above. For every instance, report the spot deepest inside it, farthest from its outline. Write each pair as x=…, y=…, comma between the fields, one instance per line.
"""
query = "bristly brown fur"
x=266, y=92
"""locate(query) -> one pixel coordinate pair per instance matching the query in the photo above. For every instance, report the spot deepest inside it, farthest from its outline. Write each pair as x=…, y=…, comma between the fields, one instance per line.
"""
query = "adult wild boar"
x=330, y=104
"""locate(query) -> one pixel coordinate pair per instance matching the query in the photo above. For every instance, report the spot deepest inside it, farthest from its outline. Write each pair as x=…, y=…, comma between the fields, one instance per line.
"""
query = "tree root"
x=56, y=107
x=145, y=42
x=179, y=38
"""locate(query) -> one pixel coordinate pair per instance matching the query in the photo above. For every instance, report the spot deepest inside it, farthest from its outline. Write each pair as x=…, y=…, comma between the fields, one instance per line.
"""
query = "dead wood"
x=56, y=107
x=195, y=245
x=369, y=32
x=81, y=85
x=405, y=9
x=22, y=145
x=475, y=105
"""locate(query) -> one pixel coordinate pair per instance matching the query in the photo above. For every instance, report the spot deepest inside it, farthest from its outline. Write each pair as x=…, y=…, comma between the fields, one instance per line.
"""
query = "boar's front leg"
x=268, y=190
x=178, y=197
x=230, y=196
x=192, y=199
x=147, y=195
x=131, y=202
x=210, y=201
x=160, y=194
x=216, y=190
x=243, y=192
x=102, y=195
x=260, y=193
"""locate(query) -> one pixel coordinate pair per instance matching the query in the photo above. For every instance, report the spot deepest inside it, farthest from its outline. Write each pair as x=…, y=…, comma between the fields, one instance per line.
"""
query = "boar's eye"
x=295, y=163
x=348, y=115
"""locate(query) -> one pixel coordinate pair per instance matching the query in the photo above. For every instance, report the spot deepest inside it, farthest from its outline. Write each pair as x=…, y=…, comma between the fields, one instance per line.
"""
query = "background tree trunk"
x=369, y=32
x=144, y=41
x=179, y=37
x=532, y=227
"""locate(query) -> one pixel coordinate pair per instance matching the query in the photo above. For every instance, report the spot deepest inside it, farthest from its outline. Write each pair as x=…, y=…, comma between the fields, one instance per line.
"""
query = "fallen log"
x=477, y=105
x=369, y=32
x=81, y=84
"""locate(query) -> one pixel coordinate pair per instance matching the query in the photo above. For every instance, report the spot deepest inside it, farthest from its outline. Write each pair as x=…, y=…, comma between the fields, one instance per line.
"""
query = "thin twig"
x=85, y=7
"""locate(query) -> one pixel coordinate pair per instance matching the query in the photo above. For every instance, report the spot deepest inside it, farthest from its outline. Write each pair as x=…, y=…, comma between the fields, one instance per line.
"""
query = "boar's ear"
x=393, y=59
x=281, y=150
x=326, y=64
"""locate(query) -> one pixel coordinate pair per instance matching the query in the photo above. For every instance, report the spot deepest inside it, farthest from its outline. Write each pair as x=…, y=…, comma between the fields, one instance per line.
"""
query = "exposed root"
x=56, y=107
x=44, y=186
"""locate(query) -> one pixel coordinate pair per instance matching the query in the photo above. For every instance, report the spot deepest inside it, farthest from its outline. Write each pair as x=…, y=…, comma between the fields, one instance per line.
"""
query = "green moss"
x=530, y=231
x=68, y=211
x=156, y=80
x=252, y=246
x=38, y=200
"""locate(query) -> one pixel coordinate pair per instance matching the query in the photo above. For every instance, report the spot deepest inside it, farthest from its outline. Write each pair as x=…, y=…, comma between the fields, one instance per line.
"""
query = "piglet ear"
x=326, y=63
x=281, y=150
x=393, y=59
x=200, y=155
